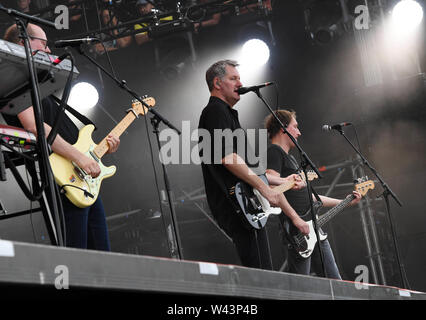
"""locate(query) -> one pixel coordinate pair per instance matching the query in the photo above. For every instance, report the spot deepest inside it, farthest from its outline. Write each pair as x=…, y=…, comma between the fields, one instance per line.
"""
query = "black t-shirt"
x=50, y=109
x=285, y=165
x=217, y=179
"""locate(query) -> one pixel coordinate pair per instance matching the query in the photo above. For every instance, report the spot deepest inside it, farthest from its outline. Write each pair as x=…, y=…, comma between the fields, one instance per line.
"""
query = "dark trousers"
x=252, y=246
x=86, y=228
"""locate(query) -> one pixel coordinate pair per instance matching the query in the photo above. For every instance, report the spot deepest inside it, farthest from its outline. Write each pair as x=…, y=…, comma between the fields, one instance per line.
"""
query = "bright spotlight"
x=83, y=96
x=255, y=52
x=407, y=15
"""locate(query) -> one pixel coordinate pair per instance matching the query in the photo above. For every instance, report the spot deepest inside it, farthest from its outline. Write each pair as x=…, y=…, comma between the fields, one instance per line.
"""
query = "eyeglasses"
x=43, y=41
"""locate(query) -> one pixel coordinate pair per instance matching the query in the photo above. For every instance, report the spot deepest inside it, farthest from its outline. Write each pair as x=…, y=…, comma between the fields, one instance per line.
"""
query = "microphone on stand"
x=75, y=42
x=59, y=59
x=243, y=90
x=339, y=126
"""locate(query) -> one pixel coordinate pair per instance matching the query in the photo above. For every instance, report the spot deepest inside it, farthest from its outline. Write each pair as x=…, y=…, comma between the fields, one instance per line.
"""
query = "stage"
x=55, y=269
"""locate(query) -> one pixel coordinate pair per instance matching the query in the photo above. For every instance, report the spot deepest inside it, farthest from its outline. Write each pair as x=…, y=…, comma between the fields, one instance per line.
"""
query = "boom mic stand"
x=386, y=192
x=43, y=148
x=155, y=122
x=305, y=162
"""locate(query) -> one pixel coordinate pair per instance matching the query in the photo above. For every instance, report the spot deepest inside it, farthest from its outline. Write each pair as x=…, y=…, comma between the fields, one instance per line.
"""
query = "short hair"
x=272, y=125
x=12, y=33
x=218, y=69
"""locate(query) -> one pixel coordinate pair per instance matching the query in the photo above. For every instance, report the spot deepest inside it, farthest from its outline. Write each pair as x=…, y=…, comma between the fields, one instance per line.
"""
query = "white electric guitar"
x=305, y=244
x=81, y=189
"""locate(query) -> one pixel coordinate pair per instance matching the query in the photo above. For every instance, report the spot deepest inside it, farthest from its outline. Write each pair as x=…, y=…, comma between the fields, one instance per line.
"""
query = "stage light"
x=255, y=53
x=407, y=15
x=324, y=20
x=83, y=96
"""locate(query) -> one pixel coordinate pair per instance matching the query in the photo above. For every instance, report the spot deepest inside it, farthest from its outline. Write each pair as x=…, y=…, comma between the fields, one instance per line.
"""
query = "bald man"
x=85, y=227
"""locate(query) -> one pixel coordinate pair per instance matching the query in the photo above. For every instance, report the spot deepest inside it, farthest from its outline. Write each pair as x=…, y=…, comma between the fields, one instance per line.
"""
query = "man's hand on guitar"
x=113, y=143
x=302, y=225
x=272, y=196
x=357, y=198
x=90, y=166
x=299, y=183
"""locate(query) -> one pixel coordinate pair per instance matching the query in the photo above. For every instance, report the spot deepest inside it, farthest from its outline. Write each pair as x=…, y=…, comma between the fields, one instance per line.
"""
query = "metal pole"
x=366, y=233
x=377, y=252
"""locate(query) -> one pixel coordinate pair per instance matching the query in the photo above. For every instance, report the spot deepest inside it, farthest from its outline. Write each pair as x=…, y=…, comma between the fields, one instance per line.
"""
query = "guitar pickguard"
x=73, y=178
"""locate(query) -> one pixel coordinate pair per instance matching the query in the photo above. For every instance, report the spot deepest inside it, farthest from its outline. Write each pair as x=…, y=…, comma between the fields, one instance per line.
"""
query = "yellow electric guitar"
x=81, y=189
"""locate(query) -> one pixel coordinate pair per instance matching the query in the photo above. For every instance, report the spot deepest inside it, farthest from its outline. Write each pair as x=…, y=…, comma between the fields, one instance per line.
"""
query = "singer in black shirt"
x=223, y=80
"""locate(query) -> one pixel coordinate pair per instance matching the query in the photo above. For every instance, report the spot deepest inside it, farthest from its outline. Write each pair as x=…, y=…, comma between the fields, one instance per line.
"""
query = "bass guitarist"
x=281, y=163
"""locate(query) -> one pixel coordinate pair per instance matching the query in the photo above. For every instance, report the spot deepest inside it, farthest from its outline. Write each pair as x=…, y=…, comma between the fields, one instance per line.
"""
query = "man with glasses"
x=85, y=227
x=37, y=37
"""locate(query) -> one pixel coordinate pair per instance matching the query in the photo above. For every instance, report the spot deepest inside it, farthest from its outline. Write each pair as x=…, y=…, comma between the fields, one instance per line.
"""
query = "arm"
x=62, y=147
x=124, y=42
x=236, y=165
x=332, y=202
x=141, y=38
x=207, y=23
x=275, y=179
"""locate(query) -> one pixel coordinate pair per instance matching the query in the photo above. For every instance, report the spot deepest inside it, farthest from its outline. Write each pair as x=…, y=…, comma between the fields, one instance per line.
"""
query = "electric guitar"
x=305, y=244
x=81, y=189
x=253, y=207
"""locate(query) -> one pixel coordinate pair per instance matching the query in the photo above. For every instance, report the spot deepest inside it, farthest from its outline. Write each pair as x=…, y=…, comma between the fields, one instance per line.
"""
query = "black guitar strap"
x=298, y=169
x=316, y=194
x=225, y=190
x=75, y=113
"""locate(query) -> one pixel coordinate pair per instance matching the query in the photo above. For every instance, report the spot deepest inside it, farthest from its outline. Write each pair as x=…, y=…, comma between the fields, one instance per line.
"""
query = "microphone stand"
x=123, y=85
x=386, y=192
x=43, y=147
x=305, y=162
x=156, y=119
x=175, y=252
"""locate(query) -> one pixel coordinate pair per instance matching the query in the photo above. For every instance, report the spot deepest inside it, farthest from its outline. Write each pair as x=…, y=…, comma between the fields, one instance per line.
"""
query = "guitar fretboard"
x=335, y=210
x=118, y=130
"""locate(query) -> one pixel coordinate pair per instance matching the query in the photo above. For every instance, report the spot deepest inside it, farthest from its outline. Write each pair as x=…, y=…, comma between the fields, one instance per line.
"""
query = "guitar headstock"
x=311, y=175
x=364, y=185
x=139, y=108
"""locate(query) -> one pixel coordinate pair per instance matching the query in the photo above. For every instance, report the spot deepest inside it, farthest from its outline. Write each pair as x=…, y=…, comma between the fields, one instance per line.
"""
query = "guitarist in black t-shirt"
x=223, y=79
x=281, y=163
x=86, y=228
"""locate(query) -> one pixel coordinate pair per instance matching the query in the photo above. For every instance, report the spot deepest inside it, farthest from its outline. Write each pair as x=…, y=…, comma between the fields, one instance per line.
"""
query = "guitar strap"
x=299, y=170
x=75, y=113
x=224, y=189
x=285, y=222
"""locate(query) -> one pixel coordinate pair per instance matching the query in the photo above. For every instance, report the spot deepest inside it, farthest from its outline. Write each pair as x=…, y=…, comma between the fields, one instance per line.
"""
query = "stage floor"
x=41, y=266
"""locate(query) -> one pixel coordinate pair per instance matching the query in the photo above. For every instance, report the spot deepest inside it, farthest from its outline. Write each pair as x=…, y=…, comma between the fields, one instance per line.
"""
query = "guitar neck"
x=118, y=130
x=334, y=211
x=283, y=187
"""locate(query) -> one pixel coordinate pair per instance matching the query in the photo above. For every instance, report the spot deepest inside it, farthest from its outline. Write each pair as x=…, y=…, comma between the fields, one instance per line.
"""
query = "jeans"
x=298, y=264
x=86, y=228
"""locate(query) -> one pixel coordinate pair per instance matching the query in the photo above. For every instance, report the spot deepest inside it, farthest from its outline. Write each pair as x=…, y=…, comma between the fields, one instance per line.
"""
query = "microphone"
x=243, y=90
x=339, y=126
x=74, y=42
x=59, y=59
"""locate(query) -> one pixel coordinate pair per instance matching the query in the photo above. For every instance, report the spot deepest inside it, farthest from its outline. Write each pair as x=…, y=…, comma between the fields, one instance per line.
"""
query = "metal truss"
x=374, y=253
x=183, y=16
